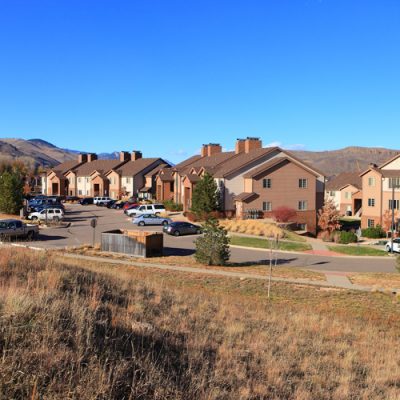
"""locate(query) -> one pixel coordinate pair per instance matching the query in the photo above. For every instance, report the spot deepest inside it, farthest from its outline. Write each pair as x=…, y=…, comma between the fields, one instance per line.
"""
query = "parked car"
x=182, y=228
x=396, y=245
x=131, y=210
x=101, y=201
x=14, y=228
x=85, y=201
x=72, y=198
x=49, y=214
x=130, y=204
x=150, y=219
x=118, y=205
x=43, y=207
x=111, y=203
x=147, y=209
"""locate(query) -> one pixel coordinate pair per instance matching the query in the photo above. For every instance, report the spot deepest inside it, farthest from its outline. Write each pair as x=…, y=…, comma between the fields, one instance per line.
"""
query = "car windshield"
x=3, y=225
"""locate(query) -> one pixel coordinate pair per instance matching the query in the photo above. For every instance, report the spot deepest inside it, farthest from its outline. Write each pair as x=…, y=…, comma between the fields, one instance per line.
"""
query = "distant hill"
x=349, y=159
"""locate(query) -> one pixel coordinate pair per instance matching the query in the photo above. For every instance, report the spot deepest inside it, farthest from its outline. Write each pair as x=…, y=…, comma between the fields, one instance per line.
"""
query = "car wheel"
x=141, y=223
x=30, y=235
x=34, y=218
x=198, y=232
x=158, y=214
x=177, y=233
x=56, y=219
x=165, y=223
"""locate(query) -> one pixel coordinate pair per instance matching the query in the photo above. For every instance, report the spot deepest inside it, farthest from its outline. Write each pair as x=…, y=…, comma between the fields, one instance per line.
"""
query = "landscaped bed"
x=357, y=250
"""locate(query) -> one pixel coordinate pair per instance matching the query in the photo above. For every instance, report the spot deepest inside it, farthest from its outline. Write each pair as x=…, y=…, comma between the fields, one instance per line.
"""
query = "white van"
x=156, y=209
x=101, y=201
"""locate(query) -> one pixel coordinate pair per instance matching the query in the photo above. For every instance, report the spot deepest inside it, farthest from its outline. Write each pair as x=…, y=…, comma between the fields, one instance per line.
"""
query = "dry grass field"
x=74, y=330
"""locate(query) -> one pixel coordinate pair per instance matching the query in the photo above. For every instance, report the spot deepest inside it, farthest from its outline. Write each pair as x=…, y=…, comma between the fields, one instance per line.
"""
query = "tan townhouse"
x=135, y=176
x=380, y=192
x=254, y=178
x=345, y=191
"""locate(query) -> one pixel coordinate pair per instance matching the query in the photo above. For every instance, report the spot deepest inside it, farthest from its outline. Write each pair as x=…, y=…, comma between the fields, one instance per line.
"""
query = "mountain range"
x=349, y=159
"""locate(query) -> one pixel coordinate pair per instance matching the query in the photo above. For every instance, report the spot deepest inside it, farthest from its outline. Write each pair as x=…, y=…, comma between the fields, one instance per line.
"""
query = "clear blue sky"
x=165, y=76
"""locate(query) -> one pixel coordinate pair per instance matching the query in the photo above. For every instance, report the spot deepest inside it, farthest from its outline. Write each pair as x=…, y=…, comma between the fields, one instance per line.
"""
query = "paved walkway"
x=334, y=279
x=319, y=248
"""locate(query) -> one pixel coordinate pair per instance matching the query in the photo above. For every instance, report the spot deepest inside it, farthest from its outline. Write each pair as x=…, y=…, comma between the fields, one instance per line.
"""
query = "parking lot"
x=76, y=229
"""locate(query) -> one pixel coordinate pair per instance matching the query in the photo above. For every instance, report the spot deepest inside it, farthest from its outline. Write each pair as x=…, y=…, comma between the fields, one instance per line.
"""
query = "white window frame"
x=302, y=205
x=371, y=181
x=267, y=206
x=371, y=202
x=371, y=223
x=303, y=183
x=267, y=183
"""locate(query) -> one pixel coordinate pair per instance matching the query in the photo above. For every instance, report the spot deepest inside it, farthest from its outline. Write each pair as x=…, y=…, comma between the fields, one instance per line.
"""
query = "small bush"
x=344, y=237
x=213, y=247
x=373, y=233
x=284, y=214
x=171, y=206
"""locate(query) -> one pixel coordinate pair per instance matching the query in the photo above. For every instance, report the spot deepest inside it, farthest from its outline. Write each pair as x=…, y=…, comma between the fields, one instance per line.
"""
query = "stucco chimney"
x=239, y=146
x=252, y=143
x=82, y=158
x=135, y=155
x=213, y=148
x=91, y=157
x=124, y=156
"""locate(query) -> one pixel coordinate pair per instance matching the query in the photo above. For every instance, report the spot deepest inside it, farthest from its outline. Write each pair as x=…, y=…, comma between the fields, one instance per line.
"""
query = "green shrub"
x=171, y=206
x=373, y=233
x=344, y=237
x=213, y=247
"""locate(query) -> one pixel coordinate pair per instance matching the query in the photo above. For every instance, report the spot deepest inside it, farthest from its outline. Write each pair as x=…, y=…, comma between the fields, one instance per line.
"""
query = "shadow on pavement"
x=280, y=261
x=173, y=251
x=44, y=238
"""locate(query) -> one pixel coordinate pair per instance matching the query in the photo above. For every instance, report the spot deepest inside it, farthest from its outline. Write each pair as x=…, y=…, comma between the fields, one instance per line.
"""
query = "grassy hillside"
x=97, y=332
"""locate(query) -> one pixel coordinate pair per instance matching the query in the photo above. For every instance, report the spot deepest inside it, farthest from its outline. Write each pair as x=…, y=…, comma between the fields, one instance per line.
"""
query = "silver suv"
x=156, y=209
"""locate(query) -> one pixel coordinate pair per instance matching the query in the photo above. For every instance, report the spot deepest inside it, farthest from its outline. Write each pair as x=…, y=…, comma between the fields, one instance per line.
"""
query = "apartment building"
x=380, y=191
x=249, y=178
x=345, y=191
x=89, y=176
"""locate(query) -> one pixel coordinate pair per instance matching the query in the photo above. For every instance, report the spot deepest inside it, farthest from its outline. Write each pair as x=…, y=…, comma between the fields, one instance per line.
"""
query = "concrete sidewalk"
x=334, y=279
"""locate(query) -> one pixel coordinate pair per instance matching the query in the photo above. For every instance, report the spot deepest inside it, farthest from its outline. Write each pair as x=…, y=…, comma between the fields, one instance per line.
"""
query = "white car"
x=156, y=209
x=101, y=200
x=396, y=246
x=49, y=214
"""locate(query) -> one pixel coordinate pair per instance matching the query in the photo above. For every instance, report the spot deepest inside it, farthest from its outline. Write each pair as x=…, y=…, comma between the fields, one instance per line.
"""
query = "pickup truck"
x=14, y=228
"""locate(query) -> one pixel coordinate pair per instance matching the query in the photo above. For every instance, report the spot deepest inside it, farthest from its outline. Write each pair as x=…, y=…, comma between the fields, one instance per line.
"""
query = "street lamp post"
x=392, y=227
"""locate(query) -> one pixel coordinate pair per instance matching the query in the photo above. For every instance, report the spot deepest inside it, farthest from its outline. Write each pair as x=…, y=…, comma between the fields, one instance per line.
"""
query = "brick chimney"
x=204, y=150
x=135, y=155
x=239, y=146
x=213, y=148
x=124, y=156
x=82, y=158
x=91, y=157
x=252, y=143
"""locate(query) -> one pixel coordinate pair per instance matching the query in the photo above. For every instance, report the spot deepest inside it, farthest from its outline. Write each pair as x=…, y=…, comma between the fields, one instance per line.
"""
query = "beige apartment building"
x=380, y=191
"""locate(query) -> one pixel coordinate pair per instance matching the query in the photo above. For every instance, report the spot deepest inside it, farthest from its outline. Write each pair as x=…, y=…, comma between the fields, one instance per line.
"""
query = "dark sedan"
x=182, y=228
x=85, y=201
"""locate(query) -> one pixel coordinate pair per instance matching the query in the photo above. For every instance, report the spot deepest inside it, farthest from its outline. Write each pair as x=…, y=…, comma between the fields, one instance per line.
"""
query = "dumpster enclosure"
x=135, y=243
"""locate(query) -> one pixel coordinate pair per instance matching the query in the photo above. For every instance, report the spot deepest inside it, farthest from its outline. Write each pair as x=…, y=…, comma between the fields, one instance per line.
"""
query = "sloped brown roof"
x=155, y=170
x=274, y=162
x=192, y=177
x=241, y=160
x=209, y=161
x=132, y=168
x=343, y=179
x=244, y=196
x=102, y=166
x=187, y=162
x=390, y=173
x=166, y=174
x=64, y=167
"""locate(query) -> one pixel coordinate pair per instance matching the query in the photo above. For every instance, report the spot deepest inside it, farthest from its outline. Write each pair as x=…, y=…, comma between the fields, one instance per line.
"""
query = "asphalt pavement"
x=79, y=232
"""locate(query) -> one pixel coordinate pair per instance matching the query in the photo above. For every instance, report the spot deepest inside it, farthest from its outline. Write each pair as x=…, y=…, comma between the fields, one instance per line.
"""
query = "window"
x=347, y=195
x=371, y=181
x=371, y=202
x=302, y=227
x=396, y=204
x=302, y=205
x=371, y=223
x=80, y=192
x=267, y=206
x=267, y=183
x=303, y=183
x=79, y=180
x=394, y=182
x=332, y=193
x=87, y=180
x=128, y=180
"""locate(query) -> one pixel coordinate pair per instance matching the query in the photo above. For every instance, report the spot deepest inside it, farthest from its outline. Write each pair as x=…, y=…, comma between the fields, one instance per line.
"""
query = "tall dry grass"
x=252, y=227
x=79, y=333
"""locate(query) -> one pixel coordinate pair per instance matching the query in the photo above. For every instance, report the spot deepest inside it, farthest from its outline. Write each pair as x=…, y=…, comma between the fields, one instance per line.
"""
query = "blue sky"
x=165, y=76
